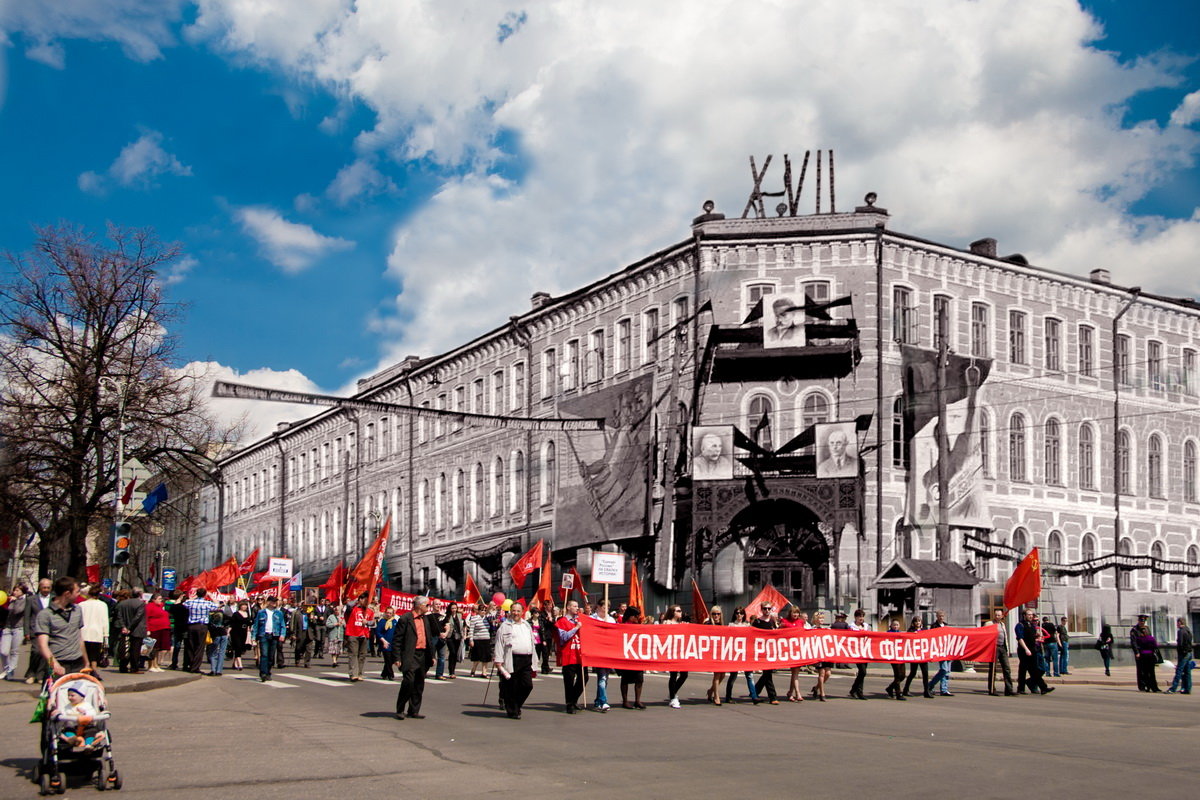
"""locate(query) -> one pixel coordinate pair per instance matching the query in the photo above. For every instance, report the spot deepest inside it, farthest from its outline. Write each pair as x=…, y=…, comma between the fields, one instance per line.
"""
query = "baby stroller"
x=75, y=730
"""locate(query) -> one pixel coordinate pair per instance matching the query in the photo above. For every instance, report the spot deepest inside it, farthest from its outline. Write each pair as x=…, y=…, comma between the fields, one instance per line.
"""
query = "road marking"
x=313, y=679
x=428, y=682
x=274, y=684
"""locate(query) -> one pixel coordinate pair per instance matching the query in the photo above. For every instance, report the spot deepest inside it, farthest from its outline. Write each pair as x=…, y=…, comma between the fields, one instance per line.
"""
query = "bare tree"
x=85, y=329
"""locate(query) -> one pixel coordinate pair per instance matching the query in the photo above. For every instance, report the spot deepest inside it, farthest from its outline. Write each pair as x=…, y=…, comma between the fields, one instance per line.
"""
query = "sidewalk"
x=114, y=681
x=1122, y=675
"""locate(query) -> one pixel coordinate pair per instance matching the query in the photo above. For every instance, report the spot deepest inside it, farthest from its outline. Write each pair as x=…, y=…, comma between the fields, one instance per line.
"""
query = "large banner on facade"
x=965, y=502
x=603, y=474
x=719, y=648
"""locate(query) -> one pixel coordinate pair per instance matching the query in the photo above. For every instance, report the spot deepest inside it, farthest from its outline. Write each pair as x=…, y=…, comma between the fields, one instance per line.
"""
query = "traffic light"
x=120, y=544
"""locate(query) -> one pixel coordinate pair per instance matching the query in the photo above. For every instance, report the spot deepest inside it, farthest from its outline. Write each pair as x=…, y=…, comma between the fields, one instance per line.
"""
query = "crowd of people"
x=509, y=641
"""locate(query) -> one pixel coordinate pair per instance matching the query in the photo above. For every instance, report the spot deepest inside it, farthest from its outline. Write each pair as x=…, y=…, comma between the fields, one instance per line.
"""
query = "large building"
x=977, y=397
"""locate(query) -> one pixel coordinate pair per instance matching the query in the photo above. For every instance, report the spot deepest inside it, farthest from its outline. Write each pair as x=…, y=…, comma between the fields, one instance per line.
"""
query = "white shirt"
x=522, y=638
x=268, y=628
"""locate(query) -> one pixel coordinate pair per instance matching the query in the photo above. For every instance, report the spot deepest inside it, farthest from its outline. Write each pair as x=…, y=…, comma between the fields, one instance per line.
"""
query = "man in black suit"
x=414, y=643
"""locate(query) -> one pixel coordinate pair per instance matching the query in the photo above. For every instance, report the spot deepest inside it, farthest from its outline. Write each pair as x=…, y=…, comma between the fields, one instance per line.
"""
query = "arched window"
x=1123, y=462
x=1154, y=463
x=814, y=410
x=1125, y=548
x=985, y=450
x=459, y=498
x=439, y=503
x=549, y=476
x=760, y=420
x=1087, y=456
x=900, y=456
x=324, y=534
x=1053, y=442
x=1020, y=542
x=1189, y=471
x=1055, y=554
x=1157, y=579
x=497, y=504
x=477, y=493
x=902, y=546
x=1087, y=551
x=1016, y=447
x=423, y=507
x=516, y=500
x=1193, y=558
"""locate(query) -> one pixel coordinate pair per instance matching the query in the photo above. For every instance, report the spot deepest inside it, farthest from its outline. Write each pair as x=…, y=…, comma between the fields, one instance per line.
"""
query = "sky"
x=354, y=181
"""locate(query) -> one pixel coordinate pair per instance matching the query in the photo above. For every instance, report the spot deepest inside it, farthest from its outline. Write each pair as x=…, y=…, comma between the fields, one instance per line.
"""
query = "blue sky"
x=351, y=182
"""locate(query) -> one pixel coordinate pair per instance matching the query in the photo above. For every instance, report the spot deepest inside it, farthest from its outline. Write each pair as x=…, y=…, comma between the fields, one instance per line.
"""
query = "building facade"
x=681, y=340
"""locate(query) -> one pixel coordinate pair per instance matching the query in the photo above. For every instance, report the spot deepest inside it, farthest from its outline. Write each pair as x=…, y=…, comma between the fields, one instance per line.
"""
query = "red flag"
x=769, y=594
x=471, y=593
x=187, y=584
x=636, y=598
x=127, y=495
x=544, y=594
x=699, y=610
x=524, y=566
x=1025, y=584
x=248, y=565
x=576, y=585
x=93, y=573
x=335, y=583
x=365, y=574
x=220, y=576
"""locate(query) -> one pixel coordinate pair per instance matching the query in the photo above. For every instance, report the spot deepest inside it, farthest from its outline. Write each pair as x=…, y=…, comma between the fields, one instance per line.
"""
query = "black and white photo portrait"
x=783, y=323
x=712, y=452
x=837, y=450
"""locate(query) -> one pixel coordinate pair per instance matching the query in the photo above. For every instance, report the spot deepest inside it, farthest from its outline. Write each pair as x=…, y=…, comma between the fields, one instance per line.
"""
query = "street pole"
x=943, y=441
x=1116, y=379
x=120, y=387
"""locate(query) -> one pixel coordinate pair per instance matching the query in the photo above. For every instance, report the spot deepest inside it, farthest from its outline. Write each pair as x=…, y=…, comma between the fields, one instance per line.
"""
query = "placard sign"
x=608, y=567
x=568, y=582
x=280, y=569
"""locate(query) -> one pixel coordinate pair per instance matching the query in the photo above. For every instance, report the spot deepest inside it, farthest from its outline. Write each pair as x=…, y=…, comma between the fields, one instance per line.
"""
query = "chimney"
x=280, y=427
x=539, y=299
x=984, y=247
x=1100, y=275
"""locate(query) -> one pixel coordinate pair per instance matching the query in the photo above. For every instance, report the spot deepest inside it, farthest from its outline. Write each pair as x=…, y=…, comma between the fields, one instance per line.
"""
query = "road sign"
x=608, y=567
x=280, y=569
x=107, y=583
x=169, y=578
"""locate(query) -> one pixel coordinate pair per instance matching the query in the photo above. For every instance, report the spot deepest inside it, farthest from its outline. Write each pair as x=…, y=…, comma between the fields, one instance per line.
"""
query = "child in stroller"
x=75, y=728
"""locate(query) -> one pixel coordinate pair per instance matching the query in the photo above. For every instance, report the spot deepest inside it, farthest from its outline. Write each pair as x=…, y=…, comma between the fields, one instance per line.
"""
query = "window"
x=460, y=403
x=758, y=420
x=623, y=359
x=1189, y=471
x=650, y=336
x=1193, y=558
x=1154, y=462
x=1154, y=365
x=439, y=503
x=595, y=357
x=1122, y=359
x=985, y=450
x=1123, y=462
x=478, y=493
x=1087, y=457
x=980, y=330
x=1016, y=447
x=680, y=310
x=1053, y=443
x=1189, y=371
x=498, y=404
x=756, y=292
x=326, y=467
x=550, y=373
x=1054, y=548
x=423, y=424
x=478, y=403
x=549, y=476
x=1157, y=582
x=497, y=486
x=1016, y=337
x=460, y=496
x=941, y=322
x=904, y=315
x=571, y=366
x=816, y=291
x=900, y=458
x=516, y=499
x=423, y=506
x=1052, y=330
x=1020, y=541
x=1125, y=548
x=518, y=395
x=1086, y=553
x=814, y=410
x=439, y=423
x=1087, y=350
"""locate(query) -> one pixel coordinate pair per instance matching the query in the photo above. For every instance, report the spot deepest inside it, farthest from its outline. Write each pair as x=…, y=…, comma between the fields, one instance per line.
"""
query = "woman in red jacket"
x=158, y=628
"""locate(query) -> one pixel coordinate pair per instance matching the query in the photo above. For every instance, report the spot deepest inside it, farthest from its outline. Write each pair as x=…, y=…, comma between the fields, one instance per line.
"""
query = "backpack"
x=216, y=619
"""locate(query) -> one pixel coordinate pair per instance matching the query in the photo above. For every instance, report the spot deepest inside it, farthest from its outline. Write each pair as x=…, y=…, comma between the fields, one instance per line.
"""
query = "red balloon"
x=498, y=598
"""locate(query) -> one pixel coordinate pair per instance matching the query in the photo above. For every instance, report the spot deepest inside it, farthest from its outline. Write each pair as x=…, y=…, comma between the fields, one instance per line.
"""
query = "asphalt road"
x=309, y=733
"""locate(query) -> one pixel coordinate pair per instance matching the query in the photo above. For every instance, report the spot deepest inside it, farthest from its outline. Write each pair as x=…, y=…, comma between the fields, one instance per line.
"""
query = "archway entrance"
x=784, y=547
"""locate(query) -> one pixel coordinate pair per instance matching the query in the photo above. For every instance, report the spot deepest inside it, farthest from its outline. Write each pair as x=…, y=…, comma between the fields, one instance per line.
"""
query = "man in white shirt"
x=515, y=651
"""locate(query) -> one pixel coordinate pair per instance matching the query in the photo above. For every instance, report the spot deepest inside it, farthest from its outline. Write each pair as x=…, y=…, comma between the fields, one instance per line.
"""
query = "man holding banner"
x=574, y=675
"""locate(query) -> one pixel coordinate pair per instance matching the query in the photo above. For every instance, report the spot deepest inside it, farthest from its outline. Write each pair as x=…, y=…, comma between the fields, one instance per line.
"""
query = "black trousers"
x=303, y=644
x=515, y=689
x=412, y=687
x=895, y=689
x=1029, y=673
x=574, y=678
x=389, y=658
x=766, y=681
x=1147, y=682
x=129, y=652
x=1000, y=663
x=859, y=678
x=197, y=641
x=912, y=672
x=675, y=682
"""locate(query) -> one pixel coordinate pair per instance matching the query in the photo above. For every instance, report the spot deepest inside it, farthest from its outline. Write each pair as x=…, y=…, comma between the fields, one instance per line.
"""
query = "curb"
x=23, y=695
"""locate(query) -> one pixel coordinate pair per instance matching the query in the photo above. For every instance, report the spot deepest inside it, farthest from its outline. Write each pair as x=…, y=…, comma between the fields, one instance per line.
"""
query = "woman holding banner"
x=632, y=677
x=794, y=620
x=918, y=624
x=895, y=689
x=715, y=617
x=675, y=680
x=739, y=621
x=823, y=667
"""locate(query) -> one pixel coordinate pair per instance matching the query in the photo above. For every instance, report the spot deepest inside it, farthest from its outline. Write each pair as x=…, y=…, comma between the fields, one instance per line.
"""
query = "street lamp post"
x=121, y=389
x=1134, y=291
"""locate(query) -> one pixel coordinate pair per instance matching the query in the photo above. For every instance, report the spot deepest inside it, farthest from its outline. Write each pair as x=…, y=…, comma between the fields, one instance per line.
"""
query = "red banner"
x=718, y=648
x=403, y=601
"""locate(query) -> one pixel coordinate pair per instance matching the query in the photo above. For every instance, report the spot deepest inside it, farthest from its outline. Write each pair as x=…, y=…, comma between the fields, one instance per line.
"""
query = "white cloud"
x=178, y=271
x=360, y=179
x=291, y=246
x=1188, y=110
x=141, y=27
x=139, y=164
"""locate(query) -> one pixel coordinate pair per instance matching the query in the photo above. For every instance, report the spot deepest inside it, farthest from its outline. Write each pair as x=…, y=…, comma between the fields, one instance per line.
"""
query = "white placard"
x=280, y=568
x=608, y=567
x=568, y=582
